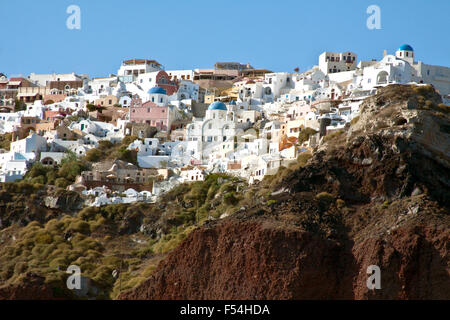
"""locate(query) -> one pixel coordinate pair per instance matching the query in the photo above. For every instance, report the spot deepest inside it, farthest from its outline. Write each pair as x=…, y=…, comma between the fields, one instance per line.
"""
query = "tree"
x=305, y=134
x=19, y=105
x=92, y=107
x=127, y=155
x=5, y=141
x=93, y=155
x=126, y=141
x=105, y=145
x=71, y=167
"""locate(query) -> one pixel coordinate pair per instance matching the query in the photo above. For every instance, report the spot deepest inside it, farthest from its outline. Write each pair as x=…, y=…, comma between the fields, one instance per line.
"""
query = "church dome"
x=157, y=90
x=232, y=103
x=405, y=47
x=217, y=106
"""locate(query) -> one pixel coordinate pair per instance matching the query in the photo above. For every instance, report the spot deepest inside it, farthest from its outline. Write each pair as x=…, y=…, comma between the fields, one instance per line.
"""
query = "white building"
x=181, y=75
x=403, y=69
x=42, y=79
x=131, y=69
x=34, y=143
x=332, y=62
x=218, y=126
x=147, y=148
x=187, y=90
x=102, y=86
x=193, y=175
x=438, y=76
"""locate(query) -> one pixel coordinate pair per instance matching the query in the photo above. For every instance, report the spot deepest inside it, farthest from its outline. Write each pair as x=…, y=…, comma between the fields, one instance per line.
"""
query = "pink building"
x=150, y=113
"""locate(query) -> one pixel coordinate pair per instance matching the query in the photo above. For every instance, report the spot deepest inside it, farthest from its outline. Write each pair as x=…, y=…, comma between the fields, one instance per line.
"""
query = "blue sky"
x=186, y=34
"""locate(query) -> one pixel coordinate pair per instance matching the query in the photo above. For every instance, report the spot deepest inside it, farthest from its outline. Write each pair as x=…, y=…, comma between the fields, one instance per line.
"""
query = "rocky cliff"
x=377, y=194
x=31, y=287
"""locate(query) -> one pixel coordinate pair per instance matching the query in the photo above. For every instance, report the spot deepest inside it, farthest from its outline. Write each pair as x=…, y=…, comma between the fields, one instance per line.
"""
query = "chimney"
x=324, y=122
x=384, y=53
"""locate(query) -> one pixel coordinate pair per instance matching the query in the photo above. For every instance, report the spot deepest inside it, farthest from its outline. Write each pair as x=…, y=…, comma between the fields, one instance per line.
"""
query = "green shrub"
x=230, y=199
x=105, y=145
x=38, y=180
x=126, y=141
x=80, y=226
x=324, y=200
x=305, y=134
x=354, y=120
x=5, y=141
x=22, y=187
x=44, y=238
x=443, y=108
x=92, y=107
x=126, y=155
x=303, y=158
x=103, y=276
x=333, y=135
x=61, y=183
x=340, y=203
x=59, y=263
x=93, y=155
x=70, y=170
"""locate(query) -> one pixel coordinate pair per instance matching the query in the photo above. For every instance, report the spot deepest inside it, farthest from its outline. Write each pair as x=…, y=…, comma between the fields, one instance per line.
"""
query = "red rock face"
x=414, y=264
x=31, y=288
x=257, y=262
x=263, y=261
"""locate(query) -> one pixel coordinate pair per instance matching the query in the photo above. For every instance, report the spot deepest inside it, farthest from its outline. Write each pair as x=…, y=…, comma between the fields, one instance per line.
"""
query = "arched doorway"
x=382, y=77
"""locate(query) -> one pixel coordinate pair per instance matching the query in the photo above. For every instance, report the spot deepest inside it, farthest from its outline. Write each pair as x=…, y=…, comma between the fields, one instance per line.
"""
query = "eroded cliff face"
x=23, y=207
x=31, y=287
x=262, y=260
x=378, y=194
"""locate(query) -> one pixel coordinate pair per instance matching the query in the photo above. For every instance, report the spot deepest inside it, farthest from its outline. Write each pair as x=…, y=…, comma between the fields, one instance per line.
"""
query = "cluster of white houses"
x=232, y=118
